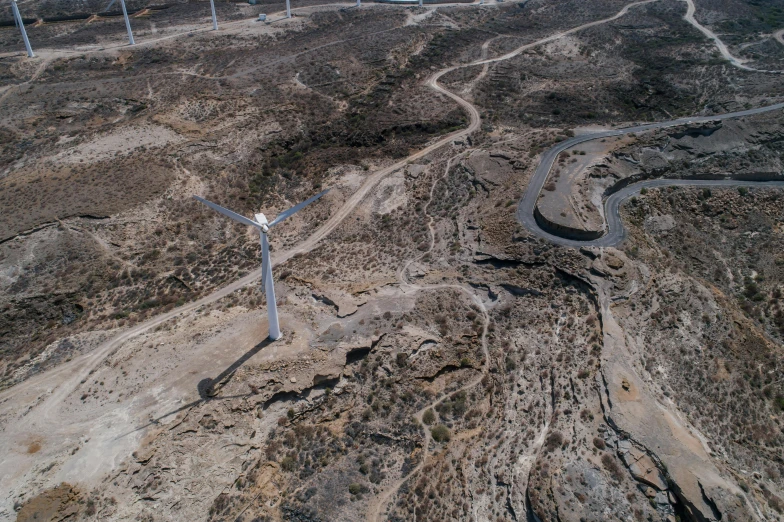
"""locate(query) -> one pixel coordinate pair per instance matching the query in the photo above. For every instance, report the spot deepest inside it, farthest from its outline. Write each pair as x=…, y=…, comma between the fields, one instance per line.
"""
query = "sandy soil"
x=148, y=378
x=120, y=142
x=82, y=420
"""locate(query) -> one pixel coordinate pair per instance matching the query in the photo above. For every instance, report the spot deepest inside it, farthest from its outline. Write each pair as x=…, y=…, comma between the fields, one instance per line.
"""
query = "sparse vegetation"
x=441, y=433
x=429, y=297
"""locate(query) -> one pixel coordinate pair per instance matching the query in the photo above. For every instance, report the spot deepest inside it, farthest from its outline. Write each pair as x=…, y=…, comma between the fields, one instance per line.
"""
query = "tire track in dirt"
x=380, y=503
x=70, y=374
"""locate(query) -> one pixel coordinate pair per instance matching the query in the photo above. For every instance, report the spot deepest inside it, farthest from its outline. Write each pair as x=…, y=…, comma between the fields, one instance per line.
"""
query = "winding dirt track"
x=83, y=365
x=378, y=507
x=79, y=368
x=725, y=52
x=57, y=384
x=43, y=396
x=432, y=82
x=380, y=503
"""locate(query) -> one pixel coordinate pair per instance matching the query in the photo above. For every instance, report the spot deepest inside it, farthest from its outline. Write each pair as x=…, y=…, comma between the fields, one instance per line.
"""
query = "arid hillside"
x=441, y=359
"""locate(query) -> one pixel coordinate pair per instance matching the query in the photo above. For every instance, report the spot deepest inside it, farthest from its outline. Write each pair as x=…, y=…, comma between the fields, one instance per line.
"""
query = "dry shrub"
x=611, y=465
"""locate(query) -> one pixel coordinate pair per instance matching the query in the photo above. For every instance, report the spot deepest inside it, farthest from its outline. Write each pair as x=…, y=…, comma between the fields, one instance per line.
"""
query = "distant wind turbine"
x=266, y=265
x=20, y=23
x=127, y=23
x=214, y=18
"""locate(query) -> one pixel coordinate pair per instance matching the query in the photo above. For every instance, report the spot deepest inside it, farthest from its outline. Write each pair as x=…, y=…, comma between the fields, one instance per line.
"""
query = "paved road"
x=615, y=230
x=779, y=35
x=47, y=391
x=61, y=381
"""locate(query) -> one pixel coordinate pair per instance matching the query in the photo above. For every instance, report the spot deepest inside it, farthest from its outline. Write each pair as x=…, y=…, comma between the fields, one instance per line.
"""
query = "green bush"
x=429, y=417
x=288, y=463
x=441, y=433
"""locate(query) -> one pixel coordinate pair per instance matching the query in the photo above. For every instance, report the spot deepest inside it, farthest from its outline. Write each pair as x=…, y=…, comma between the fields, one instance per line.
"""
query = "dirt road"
x=725, y=52
x=41, y=397
x=379, y=505
x=44, y=395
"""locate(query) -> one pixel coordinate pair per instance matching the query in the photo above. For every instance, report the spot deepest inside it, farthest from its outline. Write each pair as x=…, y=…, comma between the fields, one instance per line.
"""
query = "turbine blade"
x=108, y=6
x=296, y=208
x=229, y=213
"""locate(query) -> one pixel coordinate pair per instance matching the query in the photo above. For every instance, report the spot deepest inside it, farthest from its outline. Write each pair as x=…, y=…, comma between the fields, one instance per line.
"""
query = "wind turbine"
x=214, y=18
x=20, y=23
x=127, y=23
x=288, y=8
x=263, y=226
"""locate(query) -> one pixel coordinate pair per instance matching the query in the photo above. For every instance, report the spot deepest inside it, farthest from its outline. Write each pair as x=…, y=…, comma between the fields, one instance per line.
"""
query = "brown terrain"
x=438, y=361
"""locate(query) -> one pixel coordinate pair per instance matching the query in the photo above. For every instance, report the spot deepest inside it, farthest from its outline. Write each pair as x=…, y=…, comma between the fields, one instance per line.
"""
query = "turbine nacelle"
x=261, y=219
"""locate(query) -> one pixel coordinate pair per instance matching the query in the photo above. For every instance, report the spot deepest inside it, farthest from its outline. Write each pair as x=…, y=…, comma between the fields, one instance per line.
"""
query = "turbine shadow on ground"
x=157, y=420
x=208, y=388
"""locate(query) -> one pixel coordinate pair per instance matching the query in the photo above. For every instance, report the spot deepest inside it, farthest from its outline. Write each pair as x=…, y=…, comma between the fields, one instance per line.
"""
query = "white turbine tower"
x=127, y=23
x=288, y=8
x=266, y=265
x=214, y=18
x=20, y=23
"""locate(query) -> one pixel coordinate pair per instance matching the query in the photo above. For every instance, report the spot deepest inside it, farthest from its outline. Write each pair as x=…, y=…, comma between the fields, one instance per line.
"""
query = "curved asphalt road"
x=615, y=231
x=779, y=35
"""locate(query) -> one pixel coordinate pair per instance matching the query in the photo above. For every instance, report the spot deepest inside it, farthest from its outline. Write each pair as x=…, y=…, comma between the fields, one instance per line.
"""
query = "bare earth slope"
x=439, y=361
